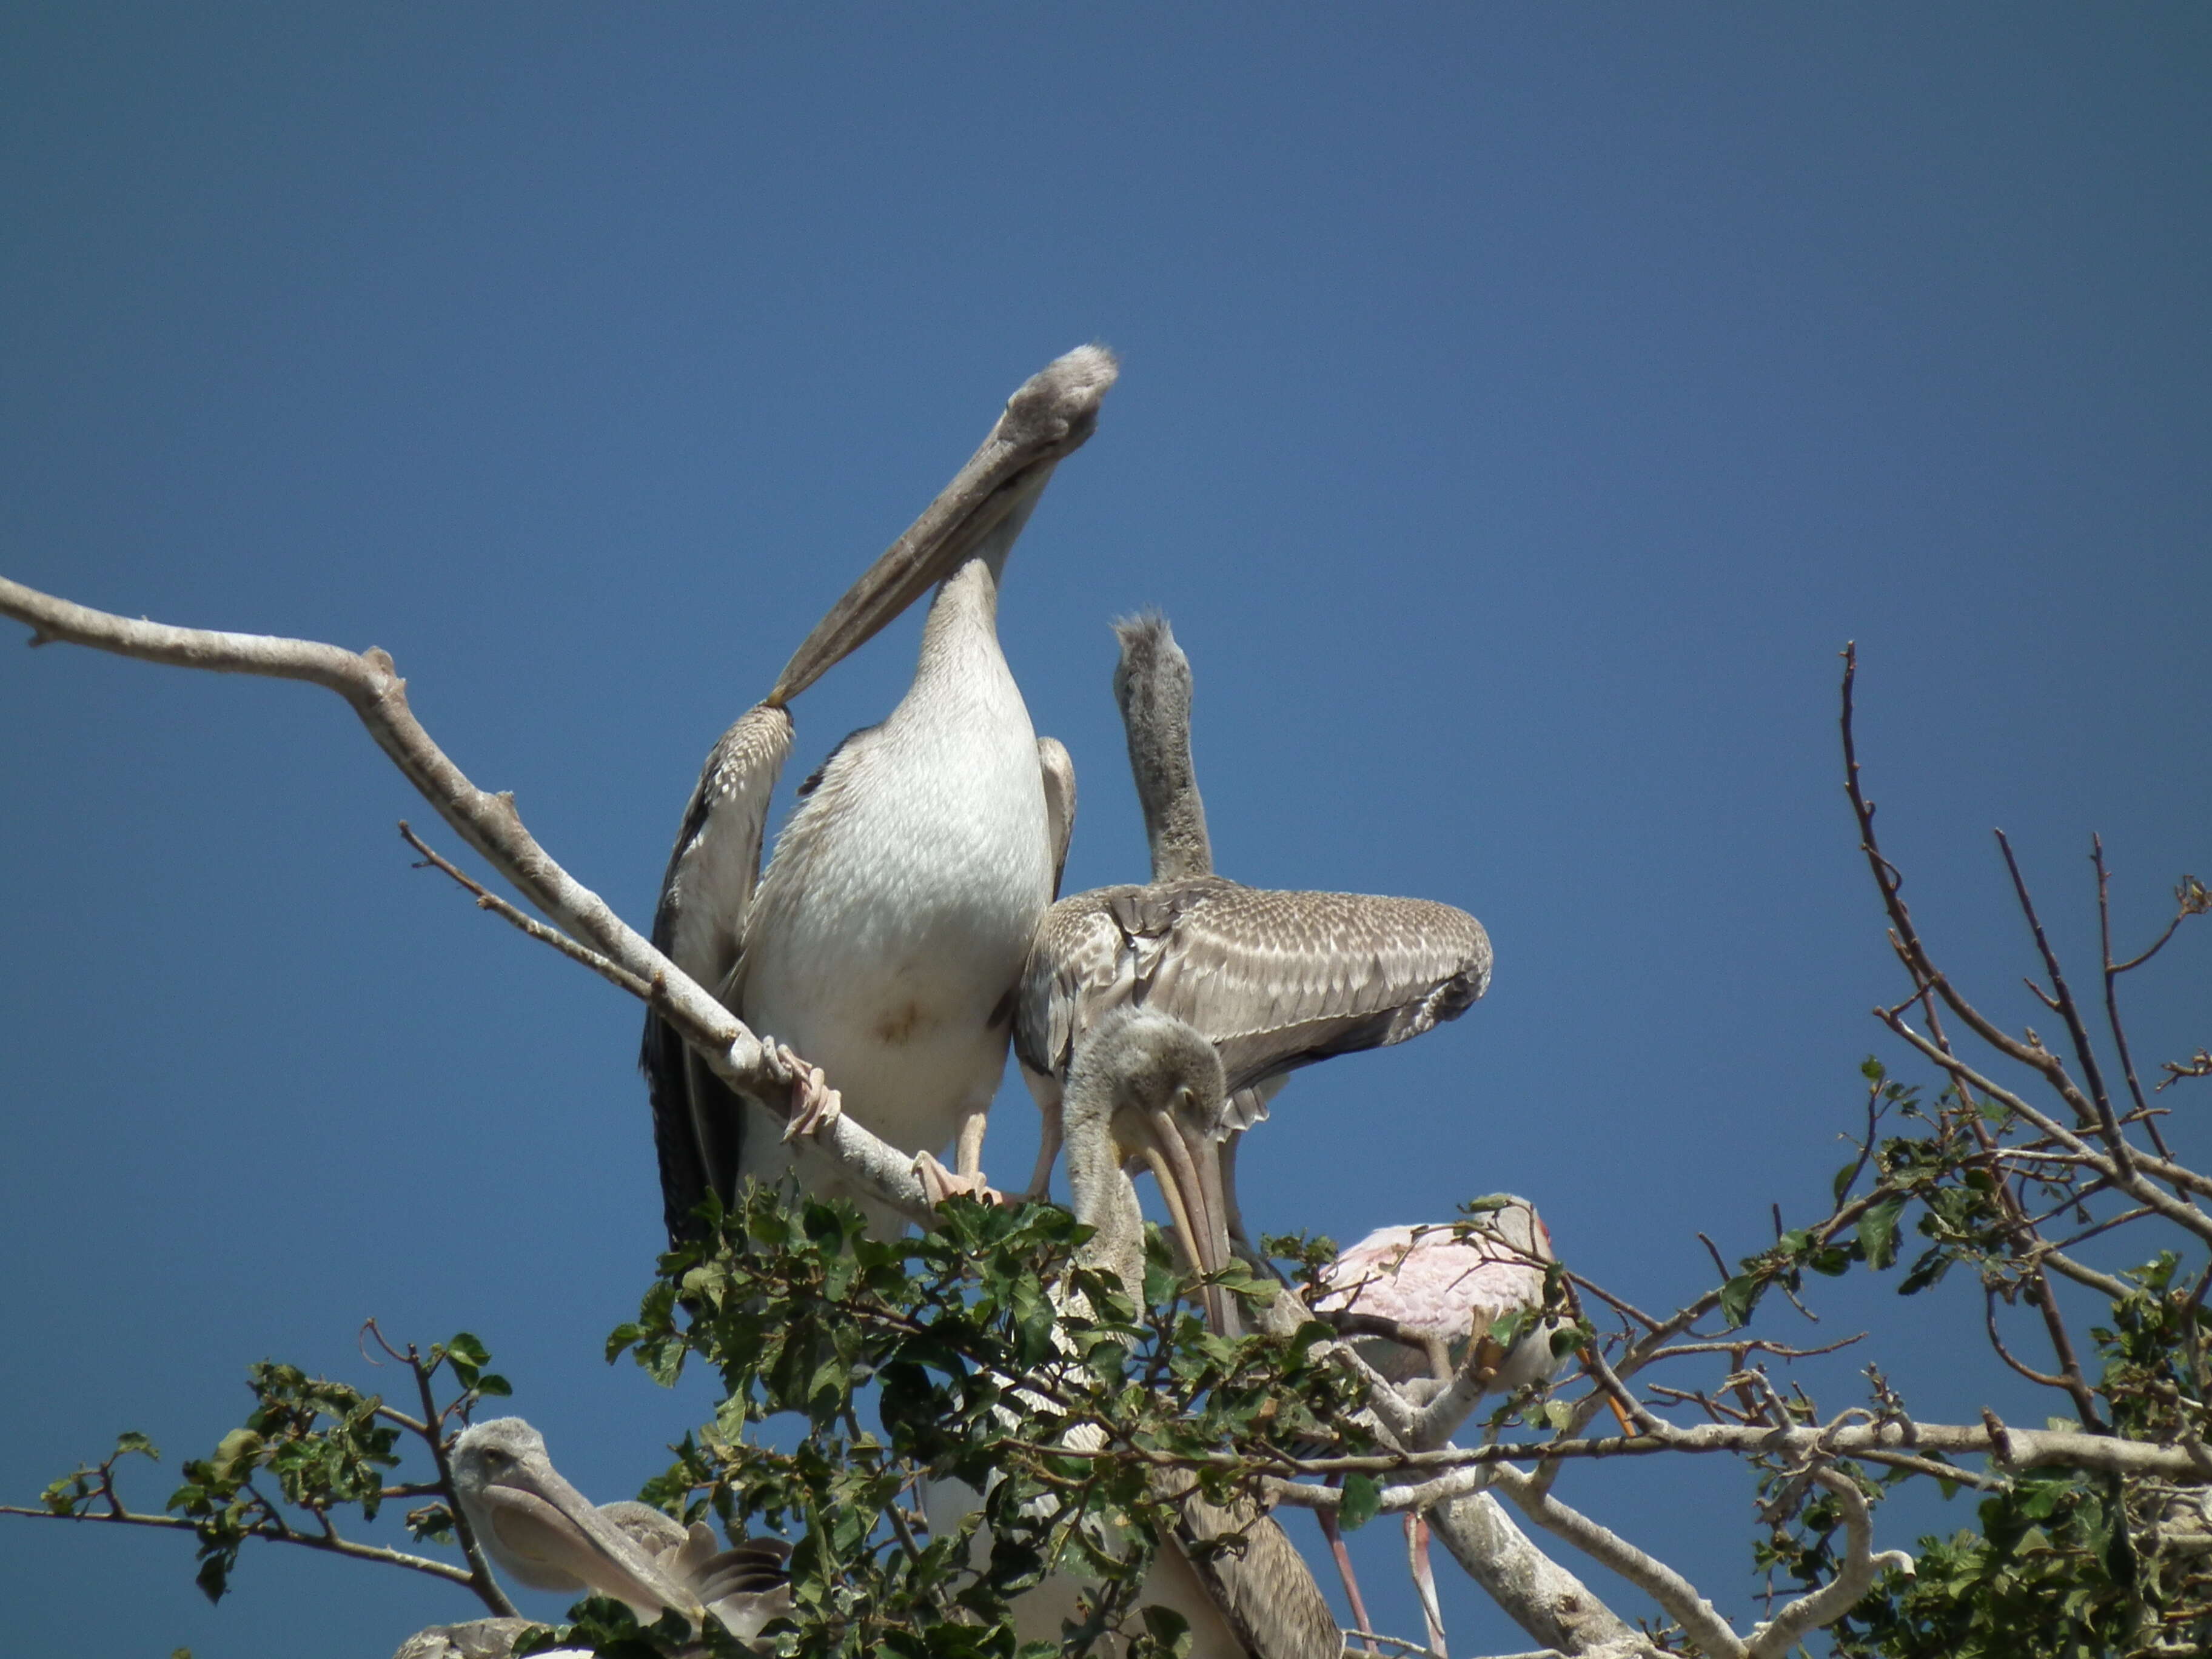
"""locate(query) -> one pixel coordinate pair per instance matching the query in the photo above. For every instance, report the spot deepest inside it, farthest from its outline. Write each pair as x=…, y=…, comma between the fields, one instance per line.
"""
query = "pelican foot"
x=814, y=1104
x=940, y=1183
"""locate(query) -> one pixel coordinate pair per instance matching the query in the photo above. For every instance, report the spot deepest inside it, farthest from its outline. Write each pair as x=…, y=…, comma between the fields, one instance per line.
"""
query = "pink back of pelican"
x=1448, y=1282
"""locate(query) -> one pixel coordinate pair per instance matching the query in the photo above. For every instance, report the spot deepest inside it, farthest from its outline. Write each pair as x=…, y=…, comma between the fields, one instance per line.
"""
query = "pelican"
x=1275, y=980
x=1147, y=1089
x=884, y=940
x=1439, y=1288
x=545, y=1533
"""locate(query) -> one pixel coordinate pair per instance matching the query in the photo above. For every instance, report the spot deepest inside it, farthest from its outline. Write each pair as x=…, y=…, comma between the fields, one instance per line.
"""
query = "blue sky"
x=1519, y=409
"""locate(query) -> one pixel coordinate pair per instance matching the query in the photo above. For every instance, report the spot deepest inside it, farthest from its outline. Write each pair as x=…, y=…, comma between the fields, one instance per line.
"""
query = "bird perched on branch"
x=1418, y=1302
x=545, y=1533
x=1274, y=980
x=1145, y=1091
x=883, y=941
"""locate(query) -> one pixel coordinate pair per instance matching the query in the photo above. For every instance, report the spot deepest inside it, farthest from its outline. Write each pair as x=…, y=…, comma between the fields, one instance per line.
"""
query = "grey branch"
x=1538, y=1594
x=372, y=687
x=1820, y=1607
x=1653, y=1577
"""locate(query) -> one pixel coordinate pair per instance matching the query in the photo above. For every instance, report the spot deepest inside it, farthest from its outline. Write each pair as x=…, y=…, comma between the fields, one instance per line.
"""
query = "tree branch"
x=277, y=1533
x=372, y=687
x=1818, y=1608
x=1672, y=1592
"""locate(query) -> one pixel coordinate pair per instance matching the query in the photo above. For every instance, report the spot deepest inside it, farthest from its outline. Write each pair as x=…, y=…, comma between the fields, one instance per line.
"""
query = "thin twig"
x=486, y=900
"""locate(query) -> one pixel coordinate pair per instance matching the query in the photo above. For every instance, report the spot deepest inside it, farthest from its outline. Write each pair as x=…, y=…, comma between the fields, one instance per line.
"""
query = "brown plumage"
x=1274, y=980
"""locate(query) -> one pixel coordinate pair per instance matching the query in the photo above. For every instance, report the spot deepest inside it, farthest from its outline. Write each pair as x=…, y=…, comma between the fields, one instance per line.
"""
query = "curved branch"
x=1818, y=1608
x=372, y=687
x=1677, y=1595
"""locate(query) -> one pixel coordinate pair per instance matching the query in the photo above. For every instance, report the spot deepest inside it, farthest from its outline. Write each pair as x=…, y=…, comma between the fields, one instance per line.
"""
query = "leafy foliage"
x=310, y=1449
x=996, y=1360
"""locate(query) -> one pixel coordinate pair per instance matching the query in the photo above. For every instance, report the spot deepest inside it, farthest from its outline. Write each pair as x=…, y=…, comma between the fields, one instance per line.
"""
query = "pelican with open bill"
x=884, y=938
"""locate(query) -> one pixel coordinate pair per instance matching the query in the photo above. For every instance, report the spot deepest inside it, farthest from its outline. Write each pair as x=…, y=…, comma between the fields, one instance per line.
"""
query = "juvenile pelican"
x=1434, y=1290
x=1146, y=1089
x=1275, y=980
x=545, y=1533
x=884, y=942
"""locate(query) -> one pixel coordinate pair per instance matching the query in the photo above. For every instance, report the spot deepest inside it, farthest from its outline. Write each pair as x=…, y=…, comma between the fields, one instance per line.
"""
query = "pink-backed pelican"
x=1275, y=980
x=1431, y=1291
x=884, y=940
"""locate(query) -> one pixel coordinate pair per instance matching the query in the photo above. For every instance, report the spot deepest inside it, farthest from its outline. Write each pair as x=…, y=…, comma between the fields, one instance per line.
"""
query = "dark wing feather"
x=705, y=897
x=1276, y=980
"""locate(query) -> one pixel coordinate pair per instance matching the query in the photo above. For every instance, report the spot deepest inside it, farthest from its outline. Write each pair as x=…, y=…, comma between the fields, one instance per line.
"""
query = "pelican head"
x=978, y=516
x=1152, y=689
x=545, y=1534
x=1151, y=1090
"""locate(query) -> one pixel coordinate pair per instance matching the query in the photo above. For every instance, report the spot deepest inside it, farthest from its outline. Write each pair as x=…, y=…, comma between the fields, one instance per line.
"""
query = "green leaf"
x=1167, y=1627
x=1739, y=1297
x=213, y=1578
x=1363, y=1497
x=1844, y=1178
x=132, y=1440
x=1878, y=1231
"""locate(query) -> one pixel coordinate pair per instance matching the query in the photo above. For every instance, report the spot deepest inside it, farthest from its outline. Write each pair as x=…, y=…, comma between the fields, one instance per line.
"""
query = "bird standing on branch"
x=883, y=941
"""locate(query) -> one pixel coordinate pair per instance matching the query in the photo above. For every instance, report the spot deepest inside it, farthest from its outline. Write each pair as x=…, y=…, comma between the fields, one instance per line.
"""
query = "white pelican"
x=1275, y=980
x=1436, y=1289
x=545, y=1533
x=1147, y=1089
x=883, y=941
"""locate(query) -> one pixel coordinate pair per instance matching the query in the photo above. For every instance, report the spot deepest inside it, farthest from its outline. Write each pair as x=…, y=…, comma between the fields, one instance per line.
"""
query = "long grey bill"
x=1055, y=411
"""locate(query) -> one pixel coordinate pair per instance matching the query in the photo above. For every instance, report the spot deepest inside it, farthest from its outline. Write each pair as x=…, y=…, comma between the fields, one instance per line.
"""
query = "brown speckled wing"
x=1276, y=980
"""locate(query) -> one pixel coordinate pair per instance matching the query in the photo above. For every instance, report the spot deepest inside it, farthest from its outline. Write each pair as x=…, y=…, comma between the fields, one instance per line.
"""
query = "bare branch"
x=2112, y=972
x=274, y=1532
x=1822, y=1607
x=489, y=823
x=1696, y=1615
x=1539, y=1594
x=487, y=900
x=2062, y=1002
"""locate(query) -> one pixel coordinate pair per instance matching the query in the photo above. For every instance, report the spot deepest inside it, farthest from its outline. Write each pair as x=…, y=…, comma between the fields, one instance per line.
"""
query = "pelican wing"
x=1265, y=1591
x=1058, y=766
x=1276, y=980
x=706, y=899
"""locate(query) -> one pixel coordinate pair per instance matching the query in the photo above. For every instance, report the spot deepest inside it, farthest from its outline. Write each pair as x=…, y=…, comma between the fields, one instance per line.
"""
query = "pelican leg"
x=968, y=1153
x=1048, y=1139
x=940, y=1183
x=814, y=1104
x=1425, y=1581
x=1330, y=1531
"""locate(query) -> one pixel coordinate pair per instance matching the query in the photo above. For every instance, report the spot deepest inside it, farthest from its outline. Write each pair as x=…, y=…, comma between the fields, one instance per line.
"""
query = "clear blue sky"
x=1519, y=409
